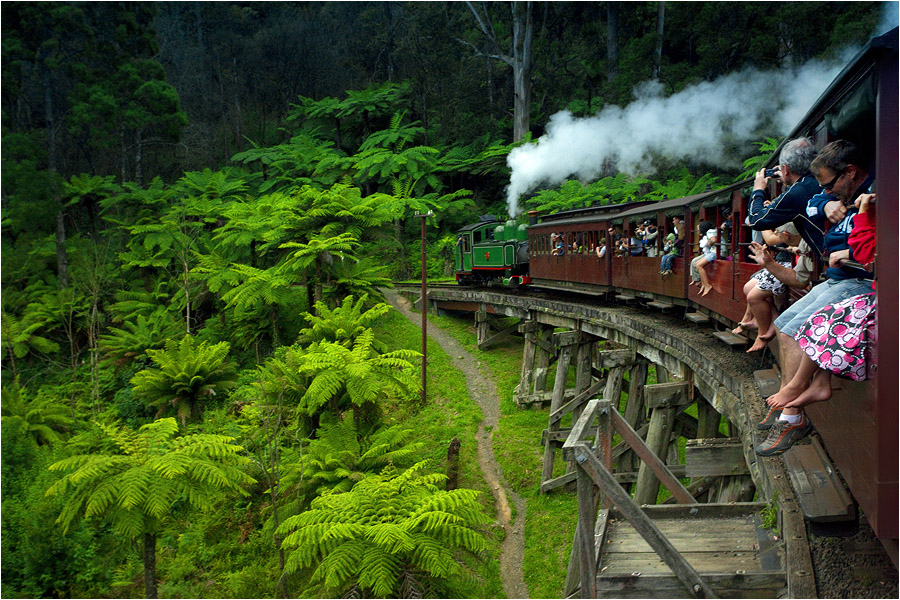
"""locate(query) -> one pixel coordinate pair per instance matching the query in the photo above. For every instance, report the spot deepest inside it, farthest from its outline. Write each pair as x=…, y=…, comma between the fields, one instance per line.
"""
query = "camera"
x=773, y=172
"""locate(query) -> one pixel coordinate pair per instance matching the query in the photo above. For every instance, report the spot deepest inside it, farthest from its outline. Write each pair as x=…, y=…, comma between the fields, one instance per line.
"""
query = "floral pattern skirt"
x=767, y=281
x=837, y=336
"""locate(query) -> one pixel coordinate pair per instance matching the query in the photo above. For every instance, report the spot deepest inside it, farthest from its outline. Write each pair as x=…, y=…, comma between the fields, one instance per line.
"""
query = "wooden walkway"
x=724, y=543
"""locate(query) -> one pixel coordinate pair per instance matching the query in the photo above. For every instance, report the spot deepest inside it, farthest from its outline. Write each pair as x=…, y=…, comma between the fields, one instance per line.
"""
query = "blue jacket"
x=836, y=238
x=789, y=206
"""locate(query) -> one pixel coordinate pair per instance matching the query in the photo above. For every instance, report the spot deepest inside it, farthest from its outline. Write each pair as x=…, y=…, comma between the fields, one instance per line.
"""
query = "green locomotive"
x=490, y=252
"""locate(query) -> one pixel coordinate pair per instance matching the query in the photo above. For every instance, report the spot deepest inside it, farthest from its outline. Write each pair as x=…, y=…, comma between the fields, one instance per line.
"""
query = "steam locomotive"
x=858, y=426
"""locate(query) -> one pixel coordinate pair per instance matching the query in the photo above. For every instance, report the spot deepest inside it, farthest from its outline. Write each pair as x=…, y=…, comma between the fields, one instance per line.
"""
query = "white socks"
x=792, y=419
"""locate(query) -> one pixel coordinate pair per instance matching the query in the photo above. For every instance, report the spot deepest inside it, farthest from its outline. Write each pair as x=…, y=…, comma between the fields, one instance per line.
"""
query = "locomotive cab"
x=491, y=252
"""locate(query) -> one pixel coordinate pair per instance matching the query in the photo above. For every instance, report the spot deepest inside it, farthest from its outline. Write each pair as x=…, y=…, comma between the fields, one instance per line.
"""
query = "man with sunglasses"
x=840, y=169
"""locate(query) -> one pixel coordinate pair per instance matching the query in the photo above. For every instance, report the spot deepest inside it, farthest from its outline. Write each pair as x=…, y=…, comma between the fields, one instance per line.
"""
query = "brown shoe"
x=784, y=435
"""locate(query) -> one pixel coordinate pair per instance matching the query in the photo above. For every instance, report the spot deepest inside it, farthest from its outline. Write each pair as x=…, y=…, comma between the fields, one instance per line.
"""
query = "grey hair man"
x=800, y=186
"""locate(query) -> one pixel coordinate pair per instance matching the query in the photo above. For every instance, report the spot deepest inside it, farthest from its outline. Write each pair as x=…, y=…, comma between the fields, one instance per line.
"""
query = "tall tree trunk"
x=317, y=290
x=660, y=22
x=389, y=45
x=612, y=40
x=123, y=168
x=139, y=157
x=519, y=58
x=523, y=34
x=93, y=335
x=62, y=259
x=187, y=294
x=149, y=556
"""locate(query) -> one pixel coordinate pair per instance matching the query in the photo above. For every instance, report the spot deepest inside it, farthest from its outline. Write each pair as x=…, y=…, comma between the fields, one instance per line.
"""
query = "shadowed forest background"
x=203, y=394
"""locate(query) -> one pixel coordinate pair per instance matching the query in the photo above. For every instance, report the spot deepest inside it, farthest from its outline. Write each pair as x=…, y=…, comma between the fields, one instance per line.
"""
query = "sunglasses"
x=827, y=186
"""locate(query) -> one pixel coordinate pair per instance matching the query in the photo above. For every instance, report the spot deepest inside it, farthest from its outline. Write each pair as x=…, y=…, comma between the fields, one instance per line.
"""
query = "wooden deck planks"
x=721, y=544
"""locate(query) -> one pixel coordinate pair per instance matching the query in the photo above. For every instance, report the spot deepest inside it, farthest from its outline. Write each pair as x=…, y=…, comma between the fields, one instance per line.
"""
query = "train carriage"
x=859, y=424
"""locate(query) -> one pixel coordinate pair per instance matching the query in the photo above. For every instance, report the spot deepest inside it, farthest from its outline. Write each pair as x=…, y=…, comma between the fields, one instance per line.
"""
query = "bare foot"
x=818, y=391
x=742, y=327
x=785, y=395
x=758, y=344
x=762, y=339
x=705, y=290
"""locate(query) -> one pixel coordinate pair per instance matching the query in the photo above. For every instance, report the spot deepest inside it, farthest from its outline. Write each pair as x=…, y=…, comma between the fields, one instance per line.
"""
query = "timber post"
x=566, y=341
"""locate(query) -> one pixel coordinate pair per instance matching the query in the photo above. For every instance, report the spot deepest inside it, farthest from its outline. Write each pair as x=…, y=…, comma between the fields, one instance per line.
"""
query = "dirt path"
x=482, y=390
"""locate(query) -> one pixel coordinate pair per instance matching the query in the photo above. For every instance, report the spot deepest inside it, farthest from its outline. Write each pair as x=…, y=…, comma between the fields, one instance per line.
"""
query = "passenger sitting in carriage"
x=840, y=170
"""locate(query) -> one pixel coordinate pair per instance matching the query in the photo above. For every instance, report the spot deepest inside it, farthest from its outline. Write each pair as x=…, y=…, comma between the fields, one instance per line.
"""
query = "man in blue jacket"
x=793, y=167
x=839, y=169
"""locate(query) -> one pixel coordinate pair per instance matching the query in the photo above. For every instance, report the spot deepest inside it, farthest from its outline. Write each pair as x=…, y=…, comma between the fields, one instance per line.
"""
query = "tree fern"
x=134, y=338
x=135, y=487
x=342, y=377
x=385, y=528
x=340, y=456
x=43, y=419
x=342, y=324
x=20, y=335
x=187, y=376
x=767, y=147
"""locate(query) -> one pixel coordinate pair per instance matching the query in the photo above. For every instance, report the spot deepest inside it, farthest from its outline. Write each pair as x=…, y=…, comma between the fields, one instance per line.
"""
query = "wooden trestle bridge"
x=707, y=539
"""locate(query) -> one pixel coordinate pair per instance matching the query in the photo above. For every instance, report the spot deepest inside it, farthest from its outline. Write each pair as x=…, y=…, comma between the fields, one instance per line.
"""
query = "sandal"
x=742, y=327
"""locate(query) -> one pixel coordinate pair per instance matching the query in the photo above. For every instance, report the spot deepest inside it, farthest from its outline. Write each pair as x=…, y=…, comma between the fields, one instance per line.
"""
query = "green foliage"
x=188, y=375
x=45, y=420
x=389, y=529
x=769, y=515
x=289, y=166
x=122, y=344
x=138, y=478
x=20, y=335
x=343, y=324
x=755, y=163
x=38, y=560
x=574, y=194
x=342, y=377
x=340, y=456
x=359, y=278
x=681, y=183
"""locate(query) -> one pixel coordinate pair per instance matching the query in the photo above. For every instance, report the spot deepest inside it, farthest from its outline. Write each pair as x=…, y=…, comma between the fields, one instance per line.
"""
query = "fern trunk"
x=149, y=556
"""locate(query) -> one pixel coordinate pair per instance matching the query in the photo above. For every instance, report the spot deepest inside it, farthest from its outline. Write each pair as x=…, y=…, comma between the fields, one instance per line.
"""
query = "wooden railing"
x=595, y=483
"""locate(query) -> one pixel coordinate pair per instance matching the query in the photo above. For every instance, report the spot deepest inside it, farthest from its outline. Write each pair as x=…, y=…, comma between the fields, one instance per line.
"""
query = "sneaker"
x=782, y=436
x=770, y=419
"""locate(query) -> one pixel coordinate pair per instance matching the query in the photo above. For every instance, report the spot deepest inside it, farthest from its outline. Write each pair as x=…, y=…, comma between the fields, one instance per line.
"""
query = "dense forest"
x=203, y=392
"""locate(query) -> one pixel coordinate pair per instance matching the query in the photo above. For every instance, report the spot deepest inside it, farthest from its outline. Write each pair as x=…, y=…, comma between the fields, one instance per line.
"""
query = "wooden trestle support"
x=628, y=475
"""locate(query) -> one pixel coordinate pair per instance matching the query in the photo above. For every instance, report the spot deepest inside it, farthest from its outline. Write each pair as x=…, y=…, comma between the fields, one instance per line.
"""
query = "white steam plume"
x=890, y=17
x=698, y=123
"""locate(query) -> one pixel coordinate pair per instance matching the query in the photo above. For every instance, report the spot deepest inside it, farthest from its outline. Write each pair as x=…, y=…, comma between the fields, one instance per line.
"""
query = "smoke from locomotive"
x=699, y=123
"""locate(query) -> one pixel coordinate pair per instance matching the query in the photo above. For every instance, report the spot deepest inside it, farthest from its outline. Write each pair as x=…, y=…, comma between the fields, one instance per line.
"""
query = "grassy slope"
x=550, y=519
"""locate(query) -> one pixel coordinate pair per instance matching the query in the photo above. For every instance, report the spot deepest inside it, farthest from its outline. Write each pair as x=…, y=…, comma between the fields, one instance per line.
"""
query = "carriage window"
x=477, y=236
